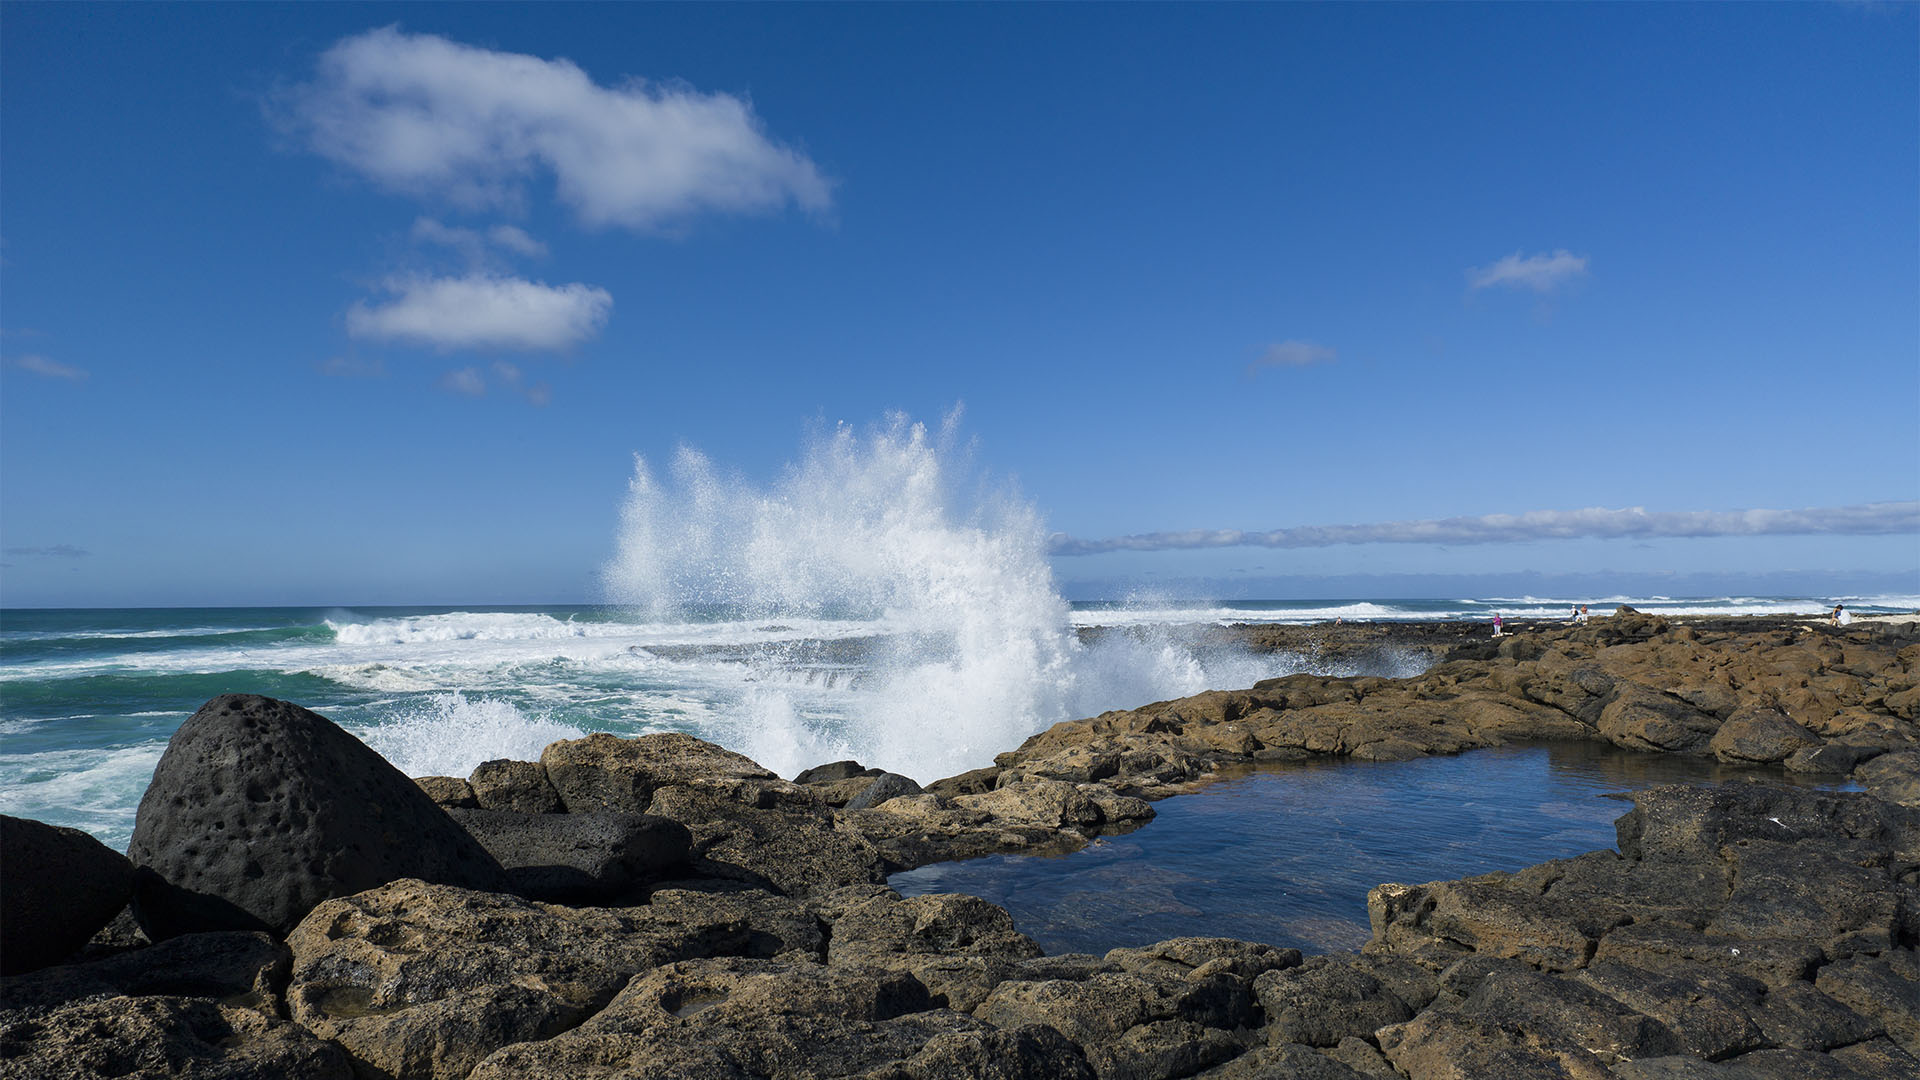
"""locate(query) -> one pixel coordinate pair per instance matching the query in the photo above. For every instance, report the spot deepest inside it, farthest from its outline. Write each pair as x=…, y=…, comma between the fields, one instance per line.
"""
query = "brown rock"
x=520, y=786
x=608, y=774
x=161, y=1037
x=1756, y=734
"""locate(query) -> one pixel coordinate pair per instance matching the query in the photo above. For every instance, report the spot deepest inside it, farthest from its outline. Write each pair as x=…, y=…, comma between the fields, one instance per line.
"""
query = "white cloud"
x=424, y=115
x=52, y=369
x=466, y=381
x=517, y=241
x=475, y=246
x=1541, y=273
x=1869, y=519
x=483, y=311
x=1293, y=354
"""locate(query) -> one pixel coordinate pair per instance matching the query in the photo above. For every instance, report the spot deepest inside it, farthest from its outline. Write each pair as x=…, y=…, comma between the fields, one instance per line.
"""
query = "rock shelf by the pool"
x=661, y=907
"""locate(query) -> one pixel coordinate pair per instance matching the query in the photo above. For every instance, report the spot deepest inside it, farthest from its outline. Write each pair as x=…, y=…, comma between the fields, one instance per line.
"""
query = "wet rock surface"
x=1740, y=931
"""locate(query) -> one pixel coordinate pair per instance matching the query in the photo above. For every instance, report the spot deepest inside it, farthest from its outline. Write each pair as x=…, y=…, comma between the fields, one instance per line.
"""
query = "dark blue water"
x=1287, y=854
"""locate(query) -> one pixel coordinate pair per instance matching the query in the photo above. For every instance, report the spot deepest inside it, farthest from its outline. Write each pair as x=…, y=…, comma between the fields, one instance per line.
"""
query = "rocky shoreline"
x=660, y=907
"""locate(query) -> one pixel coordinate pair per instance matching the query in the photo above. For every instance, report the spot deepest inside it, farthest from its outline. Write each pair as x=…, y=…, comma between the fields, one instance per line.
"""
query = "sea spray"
x=891, y=526
x=448, y=734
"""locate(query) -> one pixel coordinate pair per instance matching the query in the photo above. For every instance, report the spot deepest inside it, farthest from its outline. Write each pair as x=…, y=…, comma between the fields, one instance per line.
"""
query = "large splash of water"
x=893, y=525
x=890, y=525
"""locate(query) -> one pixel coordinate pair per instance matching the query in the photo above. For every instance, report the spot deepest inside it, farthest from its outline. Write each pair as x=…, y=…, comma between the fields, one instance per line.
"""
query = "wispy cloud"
x=473, y=382
x=52, y=369
x=57, y=551
x=1541, y=273
x=1293, y=354
x=475, y=246
x=423, y=115
x=517, y=241
x=1635, y=522
x=483, y=311
x=538, y=394
x=467, y=381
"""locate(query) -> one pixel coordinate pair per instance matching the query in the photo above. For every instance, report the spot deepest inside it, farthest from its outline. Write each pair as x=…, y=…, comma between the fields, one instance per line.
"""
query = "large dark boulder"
x=57, y=886
x=578, y=858
x=833, y=771
x=261, y=809
x=885, y=786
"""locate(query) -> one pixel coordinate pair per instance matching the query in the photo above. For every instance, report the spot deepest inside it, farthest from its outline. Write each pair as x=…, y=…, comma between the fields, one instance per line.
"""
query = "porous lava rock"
x=734, y=1017
x=793, y=850
x=57, y=886
x=448, y=792
x=834, y=771
x=514, y=785
x=885, y=786
x=959, y=947
x=604, y=773
x=578, y=858
x=232, y=967
x=260, y=809
x=420, y=980
x=1758, y=735
x=153, y=1037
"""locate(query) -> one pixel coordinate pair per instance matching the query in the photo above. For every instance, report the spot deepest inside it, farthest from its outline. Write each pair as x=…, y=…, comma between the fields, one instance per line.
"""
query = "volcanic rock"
x=733, y=1017
x=520, y=786
x=602, y=773
x=1328, y=999
x=797, y=852
x=959, y=947
x=419, y=980
x=58, y=886
x=1757, y=734
x=885, y=786
x=113, y=1037
x=448, y=792
x=833, y=771
x=235, y=968
x=260, y=809
x=578, y=858
x=1893, y=777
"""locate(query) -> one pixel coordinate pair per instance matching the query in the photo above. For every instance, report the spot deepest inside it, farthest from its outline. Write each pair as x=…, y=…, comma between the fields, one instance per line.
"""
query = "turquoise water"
x=1287, y=854
x=88, y=698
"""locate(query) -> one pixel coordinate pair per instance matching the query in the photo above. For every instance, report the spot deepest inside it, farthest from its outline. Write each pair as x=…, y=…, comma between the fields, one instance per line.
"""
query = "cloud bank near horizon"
x=1867, y=519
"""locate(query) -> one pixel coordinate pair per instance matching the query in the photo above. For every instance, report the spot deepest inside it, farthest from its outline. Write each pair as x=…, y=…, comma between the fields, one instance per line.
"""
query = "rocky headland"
x=660, y=907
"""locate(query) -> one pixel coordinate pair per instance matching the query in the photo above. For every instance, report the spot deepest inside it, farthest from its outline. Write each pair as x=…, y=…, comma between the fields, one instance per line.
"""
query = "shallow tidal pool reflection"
x=1286, y=854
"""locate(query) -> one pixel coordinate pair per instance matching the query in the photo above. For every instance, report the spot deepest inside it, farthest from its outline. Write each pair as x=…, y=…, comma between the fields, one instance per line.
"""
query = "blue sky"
x=342, y=304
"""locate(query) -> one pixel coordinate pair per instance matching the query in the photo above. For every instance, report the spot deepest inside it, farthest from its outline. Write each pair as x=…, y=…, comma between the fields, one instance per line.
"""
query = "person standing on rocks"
x=1496, y=625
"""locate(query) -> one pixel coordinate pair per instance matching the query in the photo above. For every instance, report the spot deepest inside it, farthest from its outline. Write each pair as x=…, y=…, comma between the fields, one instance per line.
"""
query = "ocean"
x=926, y=681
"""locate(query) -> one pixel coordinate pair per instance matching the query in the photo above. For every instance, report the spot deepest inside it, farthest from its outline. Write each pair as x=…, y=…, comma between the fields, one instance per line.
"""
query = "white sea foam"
x=459, y=626
x=89, y=789
x=1227, y=614
x=893, y=526
x=449, y=734
x=974, y=649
